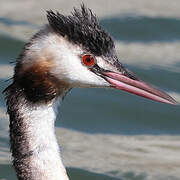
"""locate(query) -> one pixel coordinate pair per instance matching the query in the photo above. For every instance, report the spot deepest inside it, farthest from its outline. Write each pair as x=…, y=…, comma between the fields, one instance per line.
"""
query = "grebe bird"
x=71, y=51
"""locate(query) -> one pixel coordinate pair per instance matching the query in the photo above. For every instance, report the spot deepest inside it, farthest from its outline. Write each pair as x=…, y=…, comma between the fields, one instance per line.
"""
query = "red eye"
x=88, y=60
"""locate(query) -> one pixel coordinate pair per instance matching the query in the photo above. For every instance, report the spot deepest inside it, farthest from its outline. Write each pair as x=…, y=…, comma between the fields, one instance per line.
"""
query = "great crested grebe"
x=71, y=51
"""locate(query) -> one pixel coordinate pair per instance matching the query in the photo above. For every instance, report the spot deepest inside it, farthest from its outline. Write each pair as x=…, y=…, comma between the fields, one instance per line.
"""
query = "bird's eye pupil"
x=88, y=60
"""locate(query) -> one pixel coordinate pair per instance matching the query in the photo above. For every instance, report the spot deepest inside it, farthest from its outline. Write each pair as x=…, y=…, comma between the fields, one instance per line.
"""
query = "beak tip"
x=172, y=100
x=175, y=103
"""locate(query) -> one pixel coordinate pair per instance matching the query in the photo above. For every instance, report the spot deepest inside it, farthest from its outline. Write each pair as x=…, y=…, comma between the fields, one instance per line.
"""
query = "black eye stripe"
x=98, y=70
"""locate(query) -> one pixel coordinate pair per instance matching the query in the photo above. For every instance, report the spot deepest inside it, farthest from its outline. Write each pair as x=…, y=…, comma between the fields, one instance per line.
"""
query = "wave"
x=146, y=157
x=14, y=24
x=148, y=54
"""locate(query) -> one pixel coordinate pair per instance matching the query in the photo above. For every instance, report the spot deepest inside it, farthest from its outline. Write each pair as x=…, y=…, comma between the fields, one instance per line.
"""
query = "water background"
x=111, y=112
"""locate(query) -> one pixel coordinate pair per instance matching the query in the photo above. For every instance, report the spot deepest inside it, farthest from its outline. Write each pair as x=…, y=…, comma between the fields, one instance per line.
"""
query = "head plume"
x=82, y=28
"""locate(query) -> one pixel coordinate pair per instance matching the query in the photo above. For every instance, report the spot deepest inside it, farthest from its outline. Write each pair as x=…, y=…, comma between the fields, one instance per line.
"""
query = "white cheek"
x=70, y=68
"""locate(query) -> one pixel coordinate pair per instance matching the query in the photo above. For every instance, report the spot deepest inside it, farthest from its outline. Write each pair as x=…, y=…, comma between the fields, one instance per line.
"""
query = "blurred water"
x=104, y=111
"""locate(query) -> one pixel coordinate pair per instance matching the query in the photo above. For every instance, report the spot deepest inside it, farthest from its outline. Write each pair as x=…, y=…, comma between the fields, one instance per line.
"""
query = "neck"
x=35, y=151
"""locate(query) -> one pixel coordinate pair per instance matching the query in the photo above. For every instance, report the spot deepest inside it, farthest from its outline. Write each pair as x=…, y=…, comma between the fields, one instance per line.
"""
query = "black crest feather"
x=82, y=28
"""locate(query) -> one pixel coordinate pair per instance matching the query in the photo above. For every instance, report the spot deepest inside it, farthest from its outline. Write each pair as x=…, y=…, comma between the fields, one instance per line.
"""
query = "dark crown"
x=82, y=28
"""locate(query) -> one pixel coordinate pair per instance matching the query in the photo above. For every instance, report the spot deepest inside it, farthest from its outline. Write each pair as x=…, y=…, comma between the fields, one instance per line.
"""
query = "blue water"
x=111, y=111
x=142, y=28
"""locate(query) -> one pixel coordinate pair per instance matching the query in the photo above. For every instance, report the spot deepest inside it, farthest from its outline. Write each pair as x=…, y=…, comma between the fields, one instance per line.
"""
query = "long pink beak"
x=138, y=87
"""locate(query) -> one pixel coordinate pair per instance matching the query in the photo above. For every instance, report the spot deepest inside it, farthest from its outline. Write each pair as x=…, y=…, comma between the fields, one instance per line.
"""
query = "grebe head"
x=75, y=51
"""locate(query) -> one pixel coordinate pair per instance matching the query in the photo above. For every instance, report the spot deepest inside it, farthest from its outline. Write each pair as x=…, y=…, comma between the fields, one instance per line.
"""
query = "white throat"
x=45, y=162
